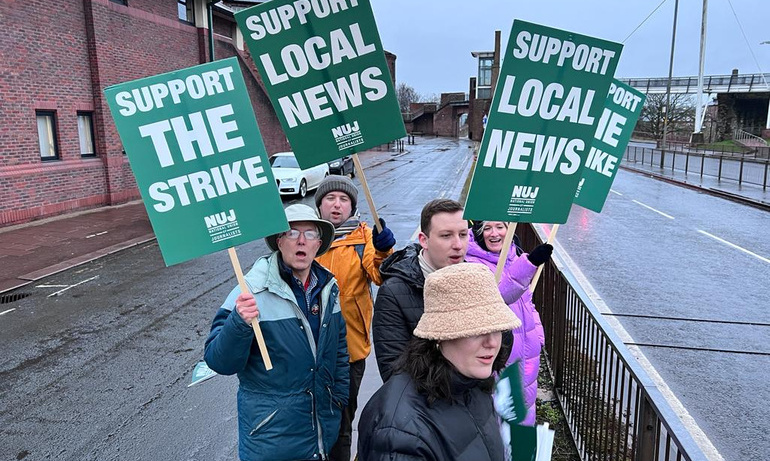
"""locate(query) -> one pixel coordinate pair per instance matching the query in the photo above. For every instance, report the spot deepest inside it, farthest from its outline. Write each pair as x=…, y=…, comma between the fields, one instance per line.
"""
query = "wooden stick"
x=362, y=178
x=504, y=251
x=551, y=238
x=255, y=322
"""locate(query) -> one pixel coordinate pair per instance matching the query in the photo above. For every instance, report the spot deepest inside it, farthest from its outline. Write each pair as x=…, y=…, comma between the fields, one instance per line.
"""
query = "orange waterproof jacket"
x=353, y=274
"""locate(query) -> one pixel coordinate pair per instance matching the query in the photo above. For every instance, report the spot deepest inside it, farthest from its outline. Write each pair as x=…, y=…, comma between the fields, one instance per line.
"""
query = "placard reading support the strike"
x=198, y=158
x=325, y=72
x=621, y=111
x=549, y=96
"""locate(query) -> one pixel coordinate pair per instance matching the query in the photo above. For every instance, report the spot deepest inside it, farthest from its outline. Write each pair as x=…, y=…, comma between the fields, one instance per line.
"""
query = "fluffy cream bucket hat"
x=462, y=300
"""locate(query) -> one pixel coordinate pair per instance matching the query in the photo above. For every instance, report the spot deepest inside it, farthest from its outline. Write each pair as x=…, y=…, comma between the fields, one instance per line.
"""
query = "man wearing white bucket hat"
x=293, y=411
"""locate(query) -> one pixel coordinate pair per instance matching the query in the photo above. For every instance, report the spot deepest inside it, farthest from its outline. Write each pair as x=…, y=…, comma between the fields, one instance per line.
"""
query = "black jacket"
x=398, y=307
x=398, y=425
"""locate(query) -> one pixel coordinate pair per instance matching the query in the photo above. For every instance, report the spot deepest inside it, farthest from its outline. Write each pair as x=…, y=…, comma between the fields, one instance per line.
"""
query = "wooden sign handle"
x=362, y=178
x=255, y=322
x=551, y=238
x=504, y=252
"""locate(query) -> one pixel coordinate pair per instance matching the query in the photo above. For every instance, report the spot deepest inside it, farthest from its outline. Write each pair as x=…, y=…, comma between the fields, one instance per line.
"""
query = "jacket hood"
x=405, y=265
x=475, y=251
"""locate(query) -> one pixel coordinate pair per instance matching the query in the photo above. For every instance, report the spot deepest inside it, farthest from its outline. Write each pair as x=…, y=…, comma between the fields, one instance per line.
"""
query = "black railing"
x=613, y=408
x=749, y=166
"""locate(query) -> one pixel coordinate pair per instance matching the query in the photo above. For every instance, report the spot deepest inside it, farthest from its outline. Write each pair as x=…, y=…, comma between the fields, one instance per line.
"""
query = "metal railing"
x=748, y=139
x=612, y=407
x=749, y=167
x=738, y=83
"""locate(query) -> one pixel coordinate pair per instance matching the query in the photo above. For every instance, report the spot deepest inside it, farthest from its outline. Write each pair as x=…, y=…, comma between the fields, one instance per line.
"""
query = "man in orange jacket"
x=354, y=258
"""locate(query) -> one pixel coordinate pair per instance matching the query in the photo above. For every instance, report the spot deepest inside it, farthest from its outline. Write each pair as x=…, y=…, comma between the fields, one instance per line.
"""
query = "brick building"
x=59, y=148
x=482, y=87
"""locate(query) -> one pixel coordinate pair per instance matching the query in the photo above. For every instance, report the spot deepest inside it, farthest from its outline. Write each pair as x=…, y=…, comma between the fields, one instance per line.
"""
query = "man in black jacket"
x=443, y=241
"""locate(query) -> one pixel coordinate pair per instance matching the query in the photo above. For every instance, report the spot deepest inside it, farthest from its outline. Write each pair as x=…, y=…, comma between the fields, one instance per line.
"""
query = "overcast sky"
x=433, y=39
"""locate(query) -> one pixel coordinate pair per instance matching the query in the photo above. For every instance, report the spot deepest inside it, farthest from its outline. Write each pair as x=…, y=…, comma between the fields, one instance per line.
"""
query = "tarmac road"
x=687, y=274
x=99, y=371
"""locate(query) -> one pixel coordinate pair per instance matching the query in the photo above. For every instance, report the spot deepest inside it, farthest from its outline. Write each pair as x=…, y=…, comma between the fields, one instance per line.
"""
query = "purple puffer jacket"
x=529, y=338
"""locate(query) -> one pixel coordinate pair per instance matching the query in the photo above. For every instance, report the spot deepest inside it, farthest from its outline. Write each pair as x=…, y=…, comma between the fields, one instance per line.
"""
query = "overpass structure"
x=743, y=100
x=735, y=83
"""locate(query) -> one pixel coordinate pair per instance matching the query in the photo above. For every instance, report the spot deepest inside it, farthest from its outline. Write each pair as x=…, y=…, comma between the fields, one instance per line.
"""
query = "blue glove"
x=383, y=241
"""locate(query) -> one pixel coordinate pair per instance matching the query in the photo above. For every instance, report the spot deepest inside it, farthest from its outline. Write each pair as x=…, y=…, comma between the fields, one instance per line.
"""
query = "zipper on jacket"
x=263, y=422
x=331, y=399
x=312, y=408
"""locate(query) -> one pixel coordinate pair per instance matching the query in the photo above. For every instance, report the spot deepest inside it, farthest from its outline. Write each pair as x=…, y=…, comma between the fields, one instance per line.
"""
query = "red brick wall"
x=61, y=59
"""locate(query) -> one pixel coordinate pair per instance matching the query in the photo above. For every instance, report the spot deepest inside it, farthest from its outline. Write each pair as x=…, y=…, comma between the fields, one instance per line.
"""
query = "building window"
x=46, y=134
x=86, y=134
x=485, y=72
x=185, y=10
x=119, y=2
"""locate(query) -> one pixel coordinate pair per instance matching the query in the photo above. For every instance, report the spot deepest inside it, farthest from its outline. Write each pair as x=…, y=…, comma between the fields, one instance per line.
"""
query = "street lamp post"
x=697, y=136
x=667, y=113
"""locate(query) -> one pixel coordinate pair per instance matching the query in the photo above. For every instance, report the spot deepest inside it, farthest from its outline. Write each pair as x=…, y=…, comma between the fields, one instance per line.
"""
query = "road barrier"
x=751, y=167
x=612, y=407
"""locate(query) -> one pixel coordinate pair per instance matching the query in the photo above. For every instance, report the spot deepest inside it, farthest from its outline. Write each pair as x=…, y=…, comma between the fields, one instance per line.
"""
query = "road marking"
x=700, y=437
x=9, y=310
x=51, y=286
x=96, y=235
x=616, y=192
x=735, y=246
x=653, y=209
x=72, y=286
x=413, y=238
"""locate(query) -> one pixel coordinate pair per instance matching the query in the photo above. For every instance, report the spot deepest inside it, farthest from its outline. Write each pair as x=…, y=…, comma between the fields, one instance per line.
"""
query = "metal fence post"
x=719, y=175
x=673, y=160
x=645, y=431
x=764, y=185
x=686, y=162
x=740, y=173
x=702, y=162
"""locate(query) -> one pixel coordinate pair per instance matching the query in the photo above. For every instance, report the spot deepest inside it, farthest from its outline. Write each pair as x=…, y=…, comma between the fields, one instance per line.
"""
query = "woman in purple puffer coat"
x=484, y=246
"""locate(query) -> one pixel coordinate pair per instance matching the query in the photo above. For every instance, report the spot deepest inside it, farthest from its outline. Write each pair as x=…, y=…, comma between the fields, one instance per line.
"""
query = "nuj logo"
x=525, y=192
x=345, y=129
x=219, y=219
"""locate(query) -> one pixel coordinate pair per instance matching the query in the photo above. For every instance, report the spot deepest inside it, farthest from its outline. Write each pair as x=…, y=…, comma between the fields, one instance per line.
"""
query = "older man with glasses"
x=293, y=411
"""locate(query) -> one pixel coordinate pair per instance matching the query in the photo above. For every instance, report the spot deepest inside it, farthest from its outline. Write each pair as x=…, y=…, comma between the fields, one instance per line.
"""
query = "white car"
x=291, y=179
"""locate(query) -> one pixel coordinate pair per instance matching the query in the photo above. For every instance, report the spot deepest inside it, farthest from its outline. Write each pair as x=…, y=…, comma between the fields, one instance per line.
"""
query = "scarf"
x=347, y=227
x=427, y=269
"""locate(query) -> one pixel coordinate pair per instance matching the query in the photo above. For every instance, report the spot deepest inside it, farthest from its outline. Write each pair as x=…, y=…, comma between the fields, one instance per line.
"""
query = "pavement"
x=35, y=250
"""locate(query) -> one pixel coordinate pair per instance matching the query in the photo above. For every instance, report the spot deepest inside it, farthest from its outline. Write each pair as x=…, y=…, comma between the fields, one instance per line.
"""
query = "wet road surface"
x=687, y=274
x=99, y=371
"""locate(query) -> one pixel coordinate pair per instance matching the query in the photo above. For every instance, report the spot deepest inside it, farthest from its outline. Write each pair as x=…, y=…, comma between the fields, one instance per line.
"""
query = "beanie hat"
x=336, y=182
x=462, y=300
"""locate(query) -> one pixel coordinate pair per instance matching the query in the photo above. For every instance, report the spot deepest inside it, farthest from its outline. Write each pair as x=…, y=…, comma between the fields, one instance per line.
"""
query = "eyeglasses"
x=293, y=234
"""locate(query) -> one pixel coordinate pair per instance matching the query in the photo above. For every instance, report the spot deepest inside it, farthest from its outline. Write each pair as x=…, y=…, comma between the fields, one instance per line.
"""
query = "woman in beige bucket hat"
x=439, y=405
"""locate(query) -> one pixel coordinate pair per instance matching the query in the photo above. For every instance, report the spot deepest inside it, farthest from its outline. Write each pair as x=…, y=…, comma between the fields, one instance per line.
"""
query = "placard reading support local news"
x=621, y=111
x=325, y=72
x=549, y=97
x=198, y=158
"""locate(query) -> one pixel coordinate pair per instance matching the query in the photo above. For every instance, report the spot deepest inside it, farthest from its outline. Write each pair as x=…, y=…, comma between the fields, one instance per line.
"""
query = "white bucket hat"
x=303, y=213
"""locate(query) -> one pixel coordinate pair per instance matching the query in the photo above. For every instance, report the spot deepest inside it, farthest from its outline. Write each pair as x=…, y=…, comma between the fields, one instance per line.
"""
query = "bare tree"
x=681, y=117
x=433, y=97
x=406, y=95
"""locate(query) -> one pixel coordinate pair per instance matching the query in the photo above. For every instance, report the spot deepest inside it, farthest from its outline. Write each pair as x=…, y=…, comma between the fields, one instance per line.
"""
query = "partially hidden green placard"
x=548, y=99
x=198, y=158
x=325, y=72
x=613, y=131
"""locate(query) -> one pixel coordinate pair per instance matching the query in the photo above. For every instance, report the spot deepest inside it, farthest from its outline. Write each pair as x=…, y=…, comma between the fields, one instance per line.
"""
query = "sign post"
x=199, y=162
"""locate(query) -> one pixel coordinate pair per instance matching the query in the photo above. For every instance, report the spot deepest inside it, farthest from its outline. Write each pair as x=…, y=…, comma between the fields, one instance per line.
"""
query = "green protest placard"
x=549, y=97
x=613, y=131
x=325, y=72
x=198, y=158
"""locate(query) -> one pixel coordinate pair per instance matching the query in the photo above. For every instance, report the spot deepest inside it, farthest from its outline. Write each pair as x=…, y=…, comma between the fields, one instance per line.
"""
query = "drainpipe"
x=210, y=12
